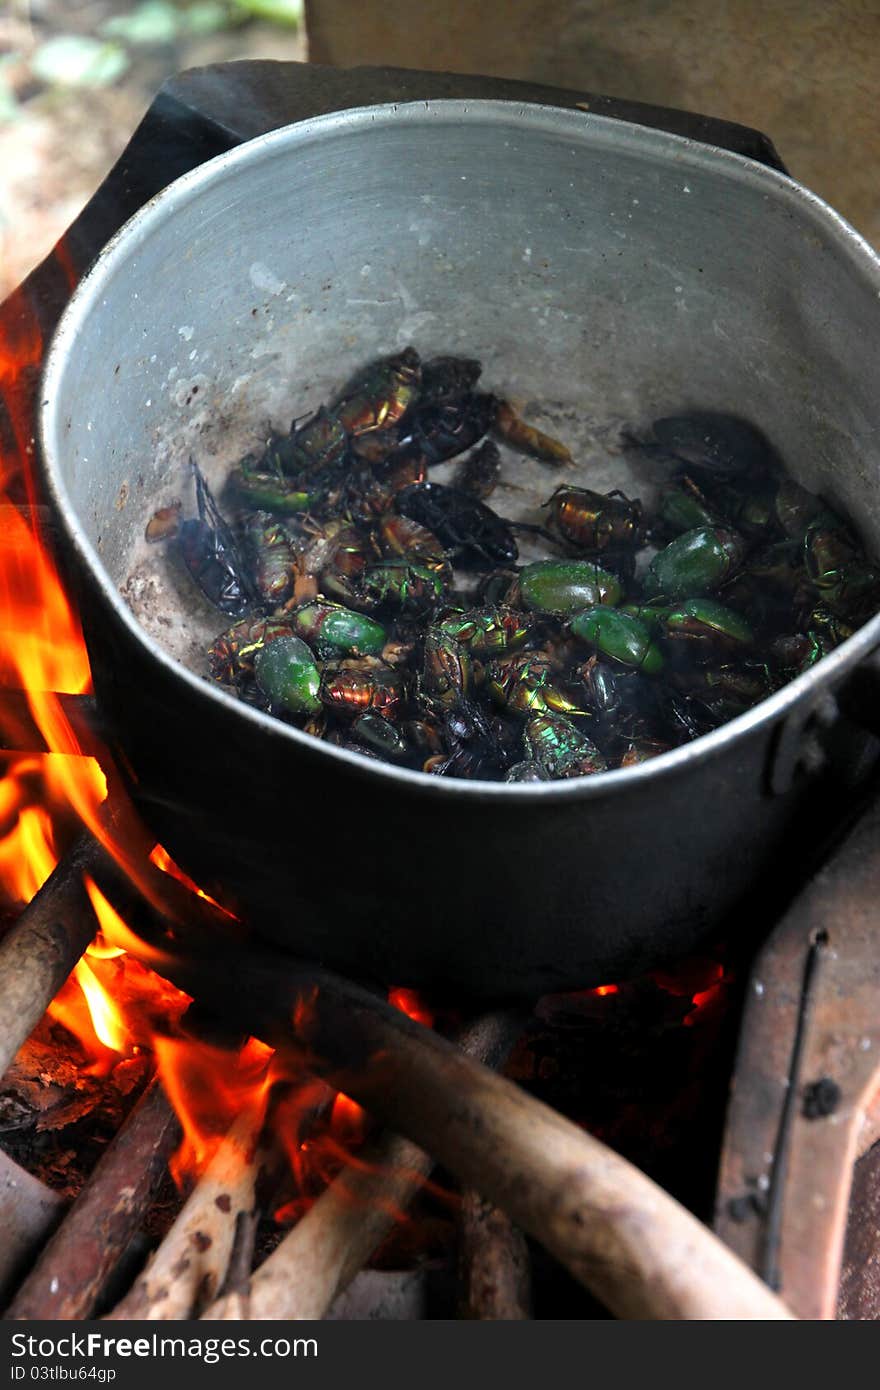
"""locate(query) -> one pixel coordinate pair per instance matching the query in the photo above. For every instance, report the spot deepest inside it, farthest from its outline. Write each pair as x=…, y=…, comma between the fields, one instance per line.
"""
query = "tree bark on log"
x=39, y=952
x=28, y=1213
x=493, y=1263
x=70, y=1274
x=351, y=1218
x=191, y=1263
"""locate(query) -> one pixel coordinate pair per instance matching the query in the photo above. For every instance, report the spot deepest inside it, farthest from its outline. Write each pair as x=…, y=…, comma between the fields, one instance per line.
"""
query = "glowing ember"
x=410, y=1004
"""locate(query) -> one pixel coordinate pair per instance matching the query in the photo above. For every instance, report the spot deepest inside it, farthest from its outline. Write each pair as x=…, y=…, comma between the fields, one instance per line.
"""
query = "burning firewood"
x=69, y=1276
x=631, y=1244
x=190, y=1264
x=332, y=1242
x=335, y=1238
x=40, y=951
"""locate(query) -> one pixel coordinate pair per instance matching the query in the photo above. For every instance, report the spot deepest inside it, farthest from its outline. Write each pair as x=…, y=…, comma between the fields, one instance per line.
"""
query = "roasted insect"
x=359, y=618
x=593, y=521
x=213, y=556
x=378, y=396
x=510, y=427
x=566, y=586
x=478, y=474
x=470, y=531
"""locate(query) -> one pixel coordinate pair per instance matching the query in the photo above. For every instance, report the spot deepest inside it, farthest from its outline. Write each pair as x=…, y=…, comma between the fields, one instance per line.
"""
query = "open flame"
x=112, y=1004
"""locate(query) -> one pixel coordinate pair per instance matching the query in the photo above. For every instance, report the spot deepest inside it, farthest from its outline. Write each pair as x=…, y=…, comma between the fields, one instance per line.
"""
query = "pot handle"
x=858, y=697
x=799, y=745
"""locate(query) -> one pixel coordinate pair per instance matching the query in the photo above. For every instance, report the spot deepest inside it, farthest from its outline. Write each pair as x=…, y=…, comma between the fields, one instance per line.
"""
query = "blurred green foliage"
x=83, y=60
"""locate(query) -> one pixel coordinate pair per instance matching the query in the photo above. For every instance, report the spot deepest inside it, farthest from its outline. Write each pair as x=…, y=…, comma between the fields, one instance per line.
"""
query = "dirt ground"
x=57, y=141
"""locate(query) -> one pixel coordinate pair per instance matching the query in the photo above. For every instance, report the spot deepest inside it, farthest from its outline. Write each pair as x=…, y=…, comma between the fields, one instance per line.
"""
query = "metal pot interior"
x=604, y=272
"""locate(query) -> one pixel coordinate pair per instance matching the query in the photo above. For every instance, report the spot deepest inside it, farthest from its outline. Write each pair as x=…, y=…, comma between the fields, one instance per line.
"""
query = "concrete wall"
x=807, y=72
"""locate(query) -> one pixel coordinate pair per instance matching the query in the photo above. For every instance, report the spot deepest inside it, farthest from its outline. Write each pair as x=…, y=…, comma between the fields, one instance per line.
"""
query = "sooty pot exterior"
x=620, y=270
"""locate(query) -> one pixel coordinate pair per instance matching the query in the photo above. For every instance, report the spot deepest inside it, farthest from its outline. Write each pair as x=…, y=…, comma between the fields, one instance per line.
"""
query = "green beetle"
x=565, y=586
x=557, y=746
x=488, y=631
x=337, y=631
x=525, y=683
x=288, y=675
x=271, y=493
x=683, y=506
x=694, y=564
x=619, y=636
x=399, y=584
x=704, y=622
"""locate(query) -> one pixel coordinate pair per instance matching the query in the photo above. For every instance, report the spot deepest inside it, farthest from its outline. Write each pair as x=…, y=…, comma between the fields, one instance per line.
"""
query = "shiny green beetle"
x=565, y=586
x=695, y=563
x=683, y=506
x=707, y=623
x=619, y=636
x=488, y=631
x=288, y=675
x=271, y=493
x=334, y=630
x=553, y=742
x=411, y=588
x=525, y=683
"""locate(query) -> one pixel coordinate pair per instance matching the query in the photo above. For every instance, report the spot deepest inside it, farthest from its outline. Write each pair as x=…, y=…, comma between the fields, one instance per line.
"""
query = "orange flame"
x=208, y=1086
x=42, y=798
x=113, y=1004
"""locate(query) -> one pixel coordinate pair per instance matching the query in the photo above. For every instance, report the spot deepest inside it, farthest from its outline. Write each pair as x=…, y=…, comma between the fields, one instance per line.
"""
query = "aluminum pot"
x=615, y=271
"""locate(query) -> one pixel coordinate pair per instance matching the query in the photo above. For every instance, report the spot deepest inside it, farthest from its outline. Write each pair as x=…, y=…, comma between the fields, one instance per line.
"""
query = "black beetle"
x=467, y=528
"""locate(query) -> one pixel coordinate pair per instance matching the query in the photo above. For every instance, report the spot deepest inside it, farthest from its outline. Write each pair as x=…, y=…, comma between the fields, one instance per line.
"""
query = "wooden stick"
x=332, y=1242
x=630, y=1243
x=493, y=1263
x=351, y=1218
x=70, y=1274
x=20, y=732
x=40, y=951
x=28, y=1213
x=384, y=1295
x=187, y=1269
x=234, y=1292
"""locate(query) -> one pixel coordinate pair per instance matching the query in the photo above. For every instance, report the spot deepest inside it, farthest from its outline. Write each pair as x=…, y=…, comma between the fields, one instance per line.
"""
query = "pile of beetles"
x=386, y=614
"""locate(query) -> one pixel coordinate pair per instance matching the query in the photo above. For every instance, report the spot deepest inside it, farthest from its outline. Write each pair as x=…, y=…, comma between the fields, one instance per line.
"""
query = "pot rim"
x=581, y=127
